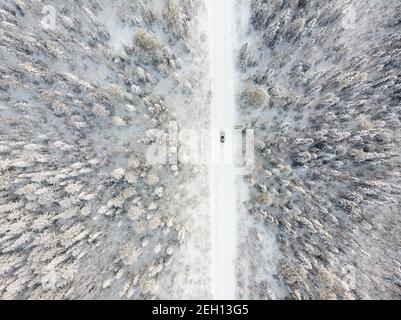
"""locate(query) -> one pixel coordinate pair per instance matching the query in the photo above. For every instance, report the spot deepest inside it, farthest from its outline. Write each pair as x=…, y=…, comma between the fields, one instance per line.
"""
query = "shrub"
x=147, y=41
x=173, y=15
x=256, y=96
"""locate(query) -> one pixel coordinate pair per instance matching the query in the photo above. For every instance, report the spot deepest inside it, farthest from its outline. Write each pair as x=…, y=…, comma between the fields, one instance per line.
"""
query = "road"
x=224, y=222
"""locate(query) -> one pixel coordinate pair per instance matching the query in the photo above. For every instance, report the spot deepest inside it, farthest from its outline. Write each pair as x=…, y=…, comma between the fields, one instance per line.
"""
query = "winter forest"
x=124, y=137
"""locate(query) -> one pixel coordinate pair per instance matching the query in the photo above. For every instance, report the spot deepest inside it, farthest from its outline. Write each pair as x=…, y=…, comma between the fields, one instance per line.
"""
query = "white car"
x=222, y=136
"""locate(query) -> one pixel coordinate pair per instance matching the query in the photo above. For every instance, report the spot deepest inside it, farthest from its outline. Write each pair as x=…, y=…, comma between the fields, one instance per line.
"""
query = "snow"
x=84, y=215
x=224, y=220
x=260, y=252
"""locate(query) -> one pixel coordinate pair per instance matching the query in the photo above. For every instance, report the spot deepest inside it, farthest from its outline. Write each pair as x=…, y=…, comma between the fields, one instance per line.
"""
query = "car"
x=222, y=136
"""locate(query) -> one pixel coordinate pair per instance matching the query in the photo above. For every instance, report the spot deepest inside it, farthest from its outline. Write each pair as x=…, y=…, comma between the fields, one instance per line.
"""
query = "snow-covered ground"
x=87, y=87
x=320, y=85
x=83, y=214
x=223, y=211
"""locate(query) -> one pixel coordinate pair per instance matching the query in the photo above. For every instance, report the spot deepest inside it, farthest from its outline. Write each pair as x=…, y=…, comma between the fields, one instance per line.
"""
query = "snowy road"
x=224, y=242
